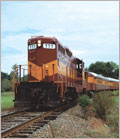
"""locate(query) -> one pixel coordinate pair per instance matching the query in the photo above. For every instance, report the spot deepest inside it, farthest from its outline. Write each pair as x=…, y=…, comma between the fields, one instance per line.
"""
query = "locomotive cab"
x=80, y=75
x=80, y=66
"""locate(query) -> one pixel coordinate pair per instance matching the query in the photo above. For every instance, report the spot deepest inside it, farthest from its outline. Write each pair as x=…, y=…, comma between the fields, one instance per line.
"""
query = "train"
x=55, y=76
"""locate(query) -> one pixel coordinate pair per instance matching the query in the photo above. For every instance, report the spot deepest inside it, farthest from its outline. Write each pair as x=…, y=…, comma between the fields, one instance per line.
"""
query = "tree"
x=13, y=70
x=108, y=69
x=5, y=82
x=116, y=72
x=6, y=79
x=4, y=75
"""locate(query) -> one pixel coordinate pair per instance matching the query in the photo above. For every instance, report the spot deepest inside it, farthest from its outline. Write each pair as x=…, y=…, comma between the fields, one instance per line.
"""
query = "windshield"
x=45, y=45
x=49, y=46
x=32, y=46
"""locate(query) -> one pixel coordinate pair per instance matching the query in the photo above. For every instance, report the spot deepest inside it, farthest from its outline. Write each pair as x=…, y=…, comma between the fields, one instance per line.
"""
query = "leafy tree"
x=116, y=72
x=13, y=70
x=14, y=67
x=6, y=80
x=4, y=75
x=5, y=85
x=108, y=69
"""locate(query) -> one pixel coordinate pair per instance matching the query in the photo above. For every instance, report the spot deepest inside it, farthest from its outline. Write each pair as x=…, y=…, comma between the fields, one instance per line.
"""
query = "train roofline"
x=42, y=37
x=112, y=79
x=103, y=77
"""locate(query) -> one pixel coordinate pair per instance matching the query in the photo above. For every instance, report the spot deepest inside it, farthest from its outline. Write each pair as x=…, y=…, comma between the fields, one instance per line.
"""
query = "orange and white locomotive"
x=55, y=76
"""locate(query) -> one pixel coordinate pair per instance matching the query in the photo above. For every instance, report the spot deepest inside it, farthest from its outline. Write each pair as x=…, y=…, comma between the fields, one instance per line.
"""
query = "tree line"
x=107, y=69
x=6, y=80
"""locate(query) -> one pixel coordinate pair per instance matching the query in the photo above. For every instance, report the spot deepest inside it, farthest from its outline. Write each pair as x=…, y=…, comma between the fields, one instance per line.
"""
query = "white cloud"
x=36, y=14
x=78, y=52
x=10, y=60
x=89, y=29
x=18, y=42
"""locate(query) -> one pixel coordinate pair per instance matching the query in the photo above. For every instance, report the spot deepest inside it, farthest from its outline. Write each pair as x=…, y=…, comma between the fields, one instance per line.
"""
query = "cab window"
x=32, y=46
x=48, y=46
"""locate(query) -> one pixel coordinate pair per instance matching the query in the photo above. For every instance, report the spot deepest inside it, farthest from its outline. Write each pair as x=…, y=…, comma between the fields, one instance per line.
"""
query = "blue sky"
x=89, y=29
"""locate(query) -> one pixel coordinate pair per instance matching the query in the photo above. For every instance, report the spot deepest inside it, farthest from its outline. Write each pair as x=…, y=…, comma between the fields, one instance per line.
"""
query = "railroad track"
x=13, y=113
x=24, y=124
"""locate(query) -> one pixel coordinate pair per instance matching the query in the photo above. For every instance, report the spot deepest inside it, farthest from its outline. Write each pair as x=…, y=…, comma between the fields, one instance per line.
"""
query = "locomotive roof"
x=41, y=37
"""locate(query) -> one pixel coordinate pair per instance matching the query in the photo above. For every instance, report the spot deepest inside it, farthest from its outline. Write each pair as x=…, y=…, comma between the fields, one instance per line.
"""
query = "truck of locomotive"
x=55, y=76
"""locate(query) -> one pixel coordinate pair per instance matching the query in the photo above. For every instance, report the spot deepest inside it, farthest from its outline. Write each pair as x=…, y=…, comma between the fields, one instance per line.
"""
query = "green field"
x=7, y=100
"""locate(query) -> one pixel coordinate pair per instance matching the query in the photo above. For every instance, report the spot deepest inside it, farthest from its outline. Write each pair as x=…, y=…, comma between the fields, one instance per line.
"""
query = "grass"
x=116, y=99
x=115, y=96
x=112, y=118
x=115, y=93
x=7, y=100
x=90, y=133
x=107, y=107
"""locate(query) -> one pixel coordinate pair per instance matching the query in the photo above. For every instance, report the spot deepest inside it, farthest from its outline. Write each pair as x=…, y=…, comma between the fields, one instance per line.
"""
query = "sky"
x=90, y=29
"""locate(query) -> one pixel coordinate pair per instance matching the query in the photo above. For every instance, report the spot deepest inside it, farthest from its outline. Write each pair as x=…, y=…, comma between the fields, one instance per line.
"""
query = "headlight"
x=39, y=43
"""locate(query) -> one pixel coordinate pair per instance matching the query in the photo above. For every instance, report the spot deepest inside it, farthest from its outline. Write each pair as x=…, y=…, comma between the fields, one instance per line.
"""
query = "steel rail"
x=41, y=118
x=12, y=113
x=8, y=132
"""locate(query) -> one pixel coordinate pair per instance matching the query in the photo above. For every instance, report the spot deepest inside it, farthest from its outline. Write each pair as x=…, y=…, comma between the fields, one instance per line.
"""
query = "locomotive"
x=55, y=76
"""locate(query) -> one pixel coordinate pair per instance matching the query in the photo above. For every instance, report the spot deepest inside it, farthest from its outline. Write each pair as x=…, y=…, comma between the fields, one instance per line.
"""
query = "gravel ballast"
x=67, y=125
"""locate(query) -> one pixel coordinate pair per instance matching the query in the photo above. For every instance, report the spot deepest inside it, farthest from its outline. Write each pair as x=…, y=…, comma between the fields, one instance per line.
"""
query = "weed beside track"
x=107, y=107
